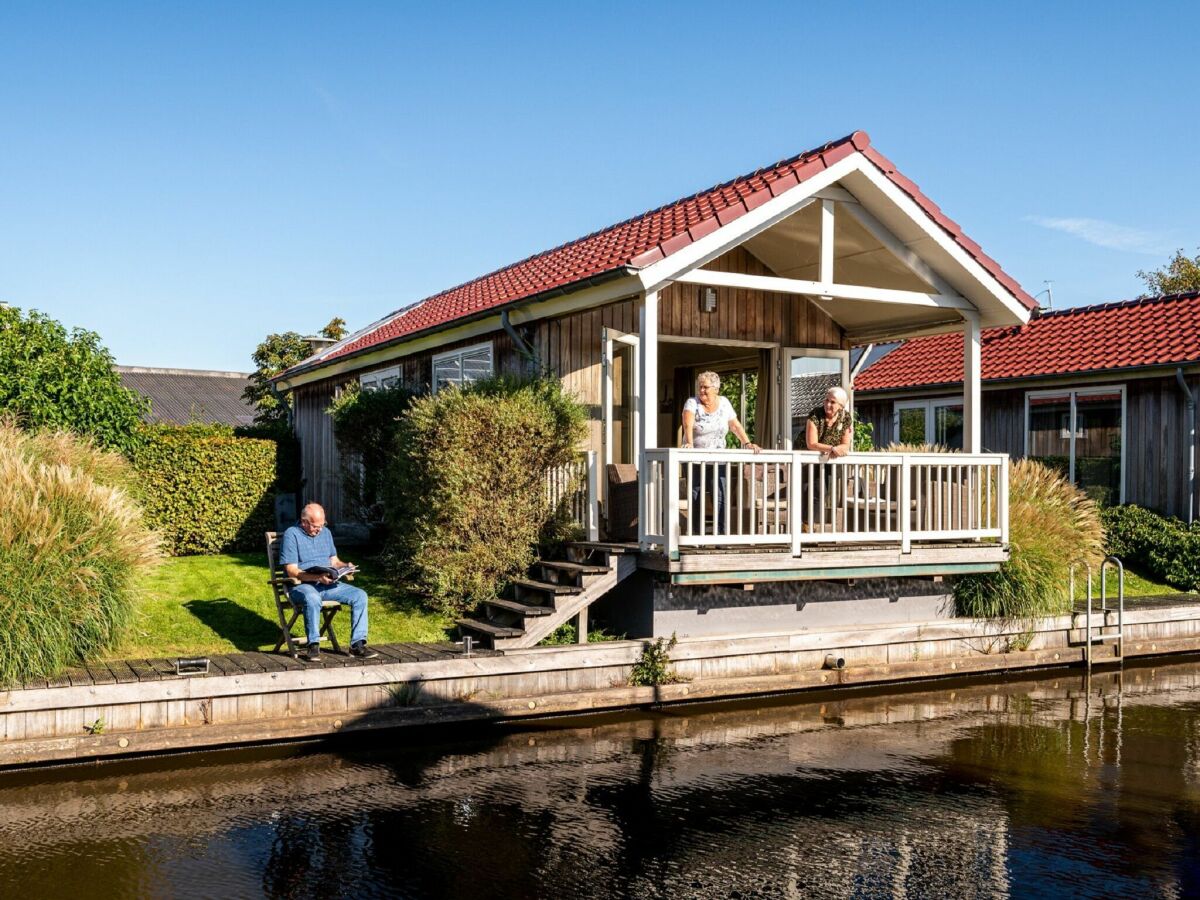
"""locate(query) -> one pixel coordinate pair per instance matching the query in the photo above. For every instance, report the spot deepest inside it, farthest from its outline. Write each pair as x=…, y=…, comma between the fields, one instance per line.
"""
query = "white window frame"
x=783, y=381
x=374, y=381
x=1074, y=426
x=929, y=405
x=459, y=354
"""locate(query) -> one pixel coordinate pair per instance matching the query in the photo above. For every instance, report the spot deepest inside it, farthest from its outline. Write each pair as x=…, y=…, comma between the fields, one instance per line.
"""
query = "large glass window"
x=930, y=422
x=459, y=367
x=381, y=379
x=1080, y=434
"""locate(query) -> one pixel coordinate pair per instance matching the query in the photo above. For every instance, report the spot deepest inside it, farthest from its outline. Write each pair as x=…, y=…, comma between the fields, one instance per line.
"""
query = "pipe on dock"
x=833, y=661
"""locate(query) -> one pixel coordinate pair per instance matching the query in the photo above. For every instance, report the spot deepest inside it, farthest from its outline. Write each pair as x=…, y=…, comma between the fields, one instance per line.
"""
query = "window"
x=380, y=380
x=1081, y=433
x=462, y=366
x=937, y=421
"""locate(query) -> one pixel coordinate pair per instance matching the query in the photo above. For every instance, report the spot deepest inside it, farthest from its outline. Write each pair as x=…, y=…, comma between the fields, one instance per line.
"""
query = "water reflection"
x=1052, y=786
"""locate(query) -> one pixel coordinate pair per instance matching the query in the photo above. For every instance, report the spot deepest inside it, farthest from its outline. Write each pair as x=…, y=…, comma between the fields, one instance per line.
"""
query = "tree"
x=54, y=379
x=278, y=353
x=1180, y=275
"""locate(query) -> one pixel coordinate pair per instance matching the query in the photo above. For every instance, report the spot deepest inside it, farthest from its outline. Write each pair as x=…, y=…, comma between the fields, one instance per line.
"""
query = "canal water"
x=1057, y=785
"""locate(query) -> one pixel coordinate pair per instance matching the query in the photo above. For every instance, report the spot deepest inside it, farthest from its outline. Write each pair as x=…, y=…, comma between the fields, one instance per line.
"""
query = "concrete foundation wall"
x=706, y=611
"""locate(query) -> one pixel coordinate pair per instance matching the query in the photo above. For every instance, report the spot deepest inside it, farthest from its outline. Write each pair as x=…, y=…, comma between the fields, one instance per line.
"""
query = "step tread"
x=546, y=586
x=605, y=546
x=523, y=609
x=573, y=568
x=489, y=628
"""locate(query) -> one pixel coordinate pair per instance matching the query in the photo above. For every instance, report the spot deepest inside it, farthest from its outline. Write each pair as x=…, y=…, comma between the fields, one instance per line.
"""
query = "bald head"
x=312, y=518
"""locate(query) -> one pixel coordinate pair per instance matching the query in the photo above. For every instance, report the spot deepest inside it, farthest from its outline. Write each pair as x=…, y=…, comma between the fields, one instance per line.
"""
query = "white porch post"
x=647, y=398
x=972, y=377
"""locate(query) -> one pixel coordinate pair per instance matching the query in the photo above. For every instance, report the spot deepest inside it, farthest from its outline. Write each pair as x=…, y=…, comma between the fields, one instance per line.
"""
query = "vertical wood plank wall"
x=1156, y=435
x=319, y=459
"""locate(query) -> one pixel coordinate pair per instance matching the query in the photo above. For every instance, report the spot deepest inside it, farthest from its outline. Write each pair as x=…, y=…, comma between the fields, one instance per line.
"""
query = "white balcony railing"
x=797, y=498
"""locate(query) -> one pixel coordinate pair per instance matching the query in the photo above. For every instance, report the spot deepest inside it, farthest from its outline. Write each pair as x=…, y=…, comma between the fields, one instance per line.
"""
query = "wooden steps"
x=536, y=606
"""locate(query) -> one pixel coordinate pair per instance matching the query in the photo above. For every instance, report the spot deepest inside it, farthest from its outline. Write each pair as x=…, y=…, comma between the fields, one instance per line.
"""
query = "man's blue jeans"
x=307, y=597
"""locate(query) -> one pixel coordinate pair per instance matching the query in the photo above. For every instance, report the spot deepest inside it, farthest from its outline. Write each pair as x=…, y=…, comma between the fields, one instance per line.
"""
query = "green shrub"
x=653, y=667
x=1051, y=525
x=1162, y=547
x=465, y=495
x=72, y=544
x=208, y=491
x=64, y=381
x=366, y=424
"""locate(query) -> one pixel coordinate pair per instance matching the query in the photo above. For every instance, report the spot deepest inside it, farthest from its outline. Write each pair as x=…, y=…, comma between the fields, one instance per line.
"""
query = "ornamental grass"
x=1052, y=524
x=72, y=546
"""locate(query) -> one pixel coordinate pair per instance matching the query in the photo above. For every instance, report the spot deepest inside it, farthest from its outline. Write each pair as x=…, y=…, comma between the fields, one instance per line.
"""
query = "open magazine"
x=335, y=572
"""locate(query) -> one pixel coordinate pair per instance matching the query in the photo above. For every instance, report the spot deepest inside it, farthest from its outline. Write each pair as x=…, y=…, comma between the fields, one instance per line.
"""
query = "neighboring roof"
x=191, y=395
x=1155, y=331
x=640, y=241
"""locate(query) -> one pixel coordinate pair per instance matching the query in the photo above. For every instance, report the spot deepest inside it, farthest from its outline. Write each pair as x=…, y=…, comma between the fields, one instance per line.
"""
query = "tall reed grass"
x=72, y=547
x=1052, y=524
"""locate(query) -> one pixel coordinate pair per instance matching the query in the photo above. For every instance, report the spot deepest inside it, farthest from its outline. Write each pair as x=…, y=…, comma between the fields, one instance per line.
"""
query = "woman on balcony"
x=707, y=418
x=829, y=428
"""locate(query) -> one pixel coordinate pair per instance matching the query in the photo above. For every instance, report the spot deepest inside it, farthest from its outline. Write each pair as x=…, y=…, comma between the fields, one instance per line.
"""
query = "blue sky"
x=185, y=178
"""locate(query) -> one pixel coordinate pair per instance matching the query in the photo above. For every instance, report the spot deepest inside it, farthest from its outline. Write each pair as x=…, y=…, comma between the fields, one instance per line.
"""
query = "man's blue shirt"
x=296, y=547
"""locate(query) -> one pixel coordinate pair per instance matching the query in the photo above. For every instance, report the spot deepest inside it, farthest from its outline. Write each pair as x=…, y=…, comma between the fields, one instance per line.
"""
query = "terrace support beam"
x=647, y=401
x=972, y=383
x=823, y=289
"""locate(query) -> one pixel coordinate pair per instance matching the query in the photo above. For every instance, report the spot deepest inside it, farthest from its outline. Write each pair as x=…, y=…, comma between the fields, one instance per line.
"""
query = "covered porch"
x=777, y=304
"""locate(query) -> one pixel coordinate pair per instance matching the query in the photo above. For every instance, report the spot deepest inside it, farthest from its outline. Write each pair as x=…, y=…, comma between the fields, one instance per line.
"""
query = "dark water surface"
x=1054, y=786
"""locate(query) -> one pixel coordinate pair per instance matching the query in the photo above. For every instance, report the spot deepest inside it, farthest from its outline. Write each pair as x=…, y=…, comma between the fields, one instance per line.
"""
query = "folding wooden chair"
x=280, y=585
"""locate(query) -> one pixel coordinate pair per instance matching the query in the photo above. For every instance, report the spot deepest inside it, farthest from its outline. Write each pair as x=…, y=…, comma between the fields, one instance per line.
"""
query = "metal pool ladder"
x=1103, y=632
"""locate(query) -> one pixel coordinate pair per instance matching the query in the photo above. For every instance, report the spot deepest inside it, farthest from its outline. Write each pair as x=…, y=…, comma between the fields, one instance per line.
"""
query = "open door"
x=805, y=376
x=621, y=422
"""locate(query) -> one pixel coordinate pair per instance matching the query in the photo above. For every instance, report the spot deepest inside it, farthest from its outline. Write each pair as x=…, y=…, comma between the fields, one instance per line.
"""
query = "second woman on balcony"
x=829, y=429
x=707, y=419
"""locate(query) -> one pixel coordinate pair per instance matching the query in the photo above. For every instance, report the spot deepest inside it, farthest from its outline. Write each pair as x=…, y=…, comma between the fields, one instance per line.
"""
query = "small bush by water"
x=72, y=546
x=1051, y=525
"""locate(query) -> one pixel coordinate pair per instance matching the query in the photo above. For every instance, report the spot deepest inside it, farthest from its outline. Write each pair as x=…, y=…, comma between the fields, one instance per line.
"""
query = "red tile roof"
x=640, y=241
x=1155, y=331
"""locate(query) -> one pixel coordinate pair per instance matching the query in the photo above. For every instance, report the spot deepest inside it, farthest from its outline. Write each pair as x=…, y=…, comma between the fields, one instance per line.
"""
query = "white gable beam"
x=934, y=231
x=822, y=289
x=825, y=266
x=657, y=275
x=898, y=248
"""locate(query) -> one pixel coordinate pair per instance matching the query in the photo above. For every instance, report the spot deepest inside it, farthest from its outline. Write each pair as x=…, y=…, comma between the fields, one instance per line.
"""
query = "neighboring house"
x=191, y=395
x=777, y=273
x=1105, y=392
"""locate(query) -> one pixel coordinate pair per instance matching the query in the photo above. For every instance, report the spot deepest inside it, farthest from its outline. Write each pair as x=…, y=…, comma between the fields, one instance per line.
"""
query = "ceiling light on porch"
x=708, y=302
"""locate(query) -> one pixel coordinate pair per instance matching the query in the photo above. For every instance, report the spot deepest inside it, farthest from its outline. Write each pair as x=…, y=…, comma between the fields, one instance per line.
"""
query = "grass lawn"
x=197, y=605
x=1135, y=585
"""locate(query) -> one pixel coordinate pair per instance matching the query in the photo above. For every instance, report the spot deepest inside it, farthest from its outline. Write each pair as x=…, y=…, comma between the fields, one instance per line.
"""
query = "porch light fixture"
x=709, y=302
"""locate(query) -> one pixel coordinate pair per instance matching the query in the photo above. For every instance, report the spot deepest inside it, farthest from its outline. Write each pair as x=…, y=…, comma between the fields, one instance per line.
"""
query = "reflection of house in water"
x=961, y=790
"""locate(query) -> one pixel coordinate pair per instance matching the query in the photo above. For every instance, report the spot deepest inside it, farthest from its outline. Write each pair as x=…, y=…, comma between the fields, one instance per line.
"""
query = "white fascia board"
x=911, y=209
x=625, y=287
x=823, y=289
x=657, y=275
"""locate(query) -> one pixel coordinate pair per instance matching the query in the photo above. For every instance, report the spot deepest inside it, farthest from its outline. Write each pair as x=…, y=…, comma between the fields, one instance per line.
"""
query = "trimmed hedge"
x=1161, y=547
x=207, y=490
x=73, y=545
x=466, y=494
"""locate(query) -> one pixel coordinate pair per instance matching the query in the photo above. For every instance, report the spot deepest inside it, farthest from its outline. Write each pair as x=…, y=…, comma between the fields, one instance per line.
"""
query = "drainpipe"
x=1190, y=403
x=522, y=347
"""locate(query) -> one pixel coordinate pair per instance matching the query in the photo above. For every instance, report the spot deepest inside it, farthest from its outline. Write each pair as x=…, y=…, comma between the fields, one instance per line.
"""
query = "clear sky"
x=185, y=178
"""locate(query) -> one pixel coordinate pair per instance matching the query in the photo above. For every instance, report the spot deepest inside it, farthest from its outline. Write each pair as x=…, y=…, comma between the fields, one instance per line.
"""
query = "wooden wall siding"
x=319, y=458
x=1156, y=436
x=787, y=319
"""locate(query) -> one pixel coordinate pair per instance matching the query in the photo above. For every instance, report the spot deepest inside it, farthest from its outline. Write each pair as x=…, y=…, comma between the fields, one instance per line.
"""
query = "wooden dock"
x=137, y=707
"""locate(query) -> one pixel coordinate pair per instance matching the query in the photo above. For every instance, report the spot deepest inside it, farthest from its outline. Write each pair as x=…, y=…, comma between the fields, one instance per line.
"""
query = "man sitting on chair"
x=310, y=544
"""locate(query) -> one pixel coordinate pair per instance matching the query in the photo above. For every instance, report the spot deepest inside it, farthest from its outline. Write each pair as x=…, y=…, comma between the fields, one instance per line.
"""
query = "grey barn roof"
x=190, y=395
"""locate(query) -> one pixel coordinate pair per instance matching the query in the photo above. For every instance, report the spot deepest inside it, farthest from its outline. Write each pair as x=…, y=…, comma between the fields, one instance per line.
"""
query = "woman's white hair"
x=712, y=379
x=838, y=394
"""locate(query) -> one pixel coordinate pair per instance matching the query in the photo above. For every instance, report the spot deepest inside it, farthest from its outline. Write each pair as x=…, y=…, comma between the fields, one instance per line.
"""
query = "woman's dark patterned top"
x=829, y=434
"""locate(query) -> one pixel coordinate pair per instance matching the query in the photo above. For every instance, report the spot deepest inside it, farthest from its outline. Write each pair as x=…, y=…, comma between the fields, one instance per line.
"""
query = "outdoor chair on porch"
x=622, y=507
x=280, y=585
